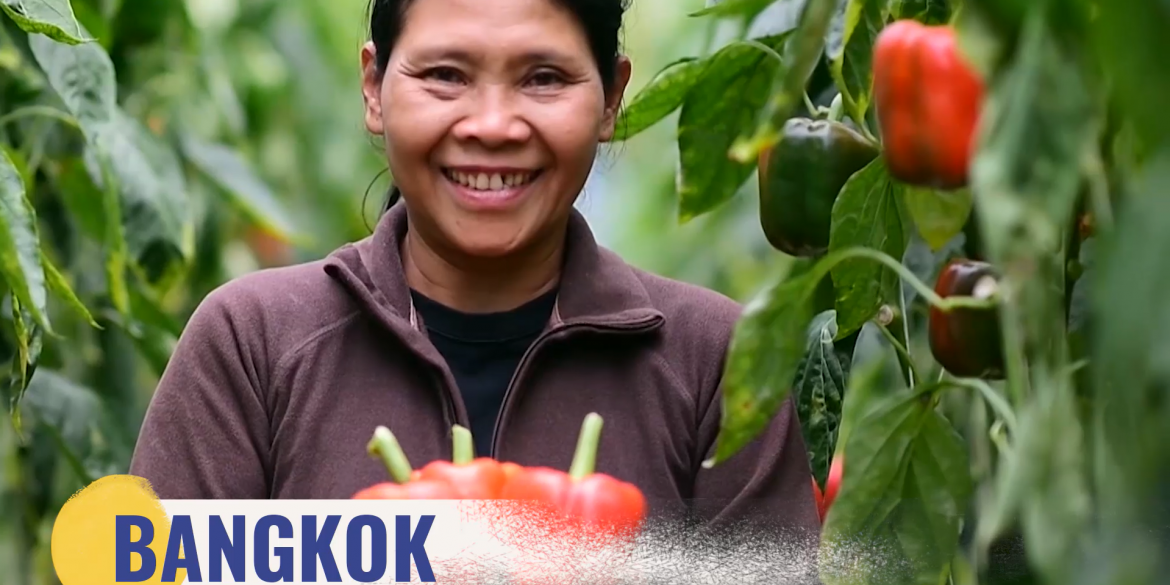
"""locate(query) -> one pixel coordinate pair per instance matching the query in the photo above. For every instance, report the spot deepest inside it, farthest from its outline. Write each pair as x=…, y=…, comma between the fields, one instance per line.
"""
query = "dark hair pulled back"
x=600, y=19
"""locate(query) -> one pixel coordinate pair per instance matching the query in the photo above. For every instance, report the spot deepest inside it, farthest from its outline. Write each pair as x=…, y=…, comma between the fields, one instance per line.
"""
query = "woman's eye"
x=545, y=79
x=445, y=75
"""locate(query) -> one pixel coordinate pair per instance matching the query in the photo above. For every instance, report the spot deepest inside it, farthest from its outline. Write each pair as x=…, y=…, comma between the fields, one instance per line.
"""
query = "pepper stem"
x=463, y=449
x=384, y=446
x=585, y=458
x=836, y=109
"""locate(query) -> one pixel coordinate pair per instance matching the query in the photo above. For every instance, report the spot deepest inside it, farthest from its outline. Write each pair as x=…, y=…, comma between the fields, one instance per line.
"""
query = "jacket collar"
x=597, y=287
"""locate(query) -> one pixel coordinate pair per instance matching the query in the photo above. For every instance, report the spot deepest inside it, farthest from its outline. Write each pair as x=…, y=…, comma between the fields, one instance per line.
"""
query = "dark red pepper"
x=966, y=341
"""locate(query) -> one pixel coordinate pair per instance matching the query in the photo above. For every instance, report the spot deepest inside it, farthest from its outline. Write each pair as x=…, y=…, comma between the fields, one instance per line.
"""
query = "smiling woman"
x=482, y=299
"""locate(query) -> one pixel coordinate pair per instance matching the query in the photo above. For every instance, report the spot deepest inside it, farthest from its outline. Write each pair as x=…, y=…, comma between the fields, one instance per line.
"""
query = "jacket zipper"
x=447, y=394
x=540, y=342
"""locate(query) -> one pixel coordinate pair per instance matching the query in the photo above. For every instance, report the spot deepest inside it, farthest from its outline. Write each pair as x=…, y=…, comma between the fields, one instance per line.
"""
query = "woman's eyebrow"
x=459, y=55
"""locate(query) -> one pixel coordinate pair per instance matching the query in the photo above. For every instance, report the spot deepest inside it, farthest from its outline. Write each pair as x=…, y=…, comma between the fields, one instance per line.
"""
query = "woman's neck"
x=472, y=285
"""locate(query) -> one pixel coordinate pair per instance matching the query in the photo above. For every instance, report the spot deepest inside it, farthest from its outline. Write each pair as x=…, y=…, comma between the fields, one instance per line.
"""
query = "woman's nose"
x=493, y=119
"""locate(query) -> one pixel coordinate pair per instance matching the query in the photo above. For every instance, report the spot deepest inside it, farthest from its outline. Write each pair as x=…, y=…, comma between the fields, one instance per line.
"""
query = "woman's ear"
x=613, y=100
x=371, y=88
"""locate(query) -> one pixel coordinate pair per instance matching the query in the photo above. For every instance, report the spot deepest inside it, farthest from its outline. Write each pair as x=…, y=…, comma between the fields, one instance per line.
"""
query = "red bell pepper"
x=833, y=484
x=472, y=478
x=384, y=446
x=928, y=102
x=819, y=499
x=596, y=500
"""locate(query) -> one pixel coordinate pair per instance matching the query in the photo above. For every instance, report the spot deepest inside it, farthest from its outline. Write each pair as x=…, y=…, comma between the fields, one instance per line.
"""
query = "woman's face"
x=492, y=111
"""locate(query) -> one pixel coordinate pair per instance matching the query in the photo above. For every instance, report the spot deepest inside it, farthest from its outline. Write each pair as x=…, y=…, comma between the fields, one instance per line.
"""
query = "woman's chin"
x=486, y=246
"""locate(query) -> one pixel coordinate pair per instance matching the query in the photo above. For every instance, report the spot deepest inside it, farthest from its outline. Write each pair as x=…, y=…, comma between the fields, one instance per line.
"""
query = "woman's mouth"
x=490, y=189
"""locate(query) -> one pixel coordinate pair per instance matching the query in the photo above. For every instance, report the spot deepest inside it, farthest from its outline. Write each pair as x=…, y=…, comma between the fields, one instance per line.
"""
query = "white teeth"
x=493, y=182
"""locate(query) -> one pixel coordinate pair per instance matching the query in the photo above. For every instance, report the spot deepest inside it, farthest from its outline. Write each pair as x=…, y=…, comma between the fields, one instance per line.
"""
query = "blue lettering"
x=125, y=549
x=264, y=570
x=221, y=546
x=353, y=548
x=182, y=536
x=406, y=546
x=314, y=546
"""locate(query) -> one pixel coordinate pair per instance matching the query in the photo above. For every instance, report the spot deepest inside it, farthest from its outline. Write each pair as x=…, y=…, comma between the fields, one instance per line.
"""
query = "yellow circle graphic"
x=84, y=534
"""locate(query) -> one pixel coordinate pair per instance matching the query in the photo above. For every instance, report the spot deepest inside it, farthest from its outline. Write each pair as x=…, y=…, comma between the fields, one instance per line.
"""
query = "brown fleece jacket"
x=281, y=376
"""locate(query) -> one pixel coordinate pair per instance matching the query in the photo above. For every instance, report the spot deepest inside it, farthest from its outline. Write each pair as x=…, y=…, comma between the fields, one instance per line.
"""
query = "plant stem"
x=1098, y=195
x=808, y=103
x=908, y=367
x=46, y=111
x=996, y=434
x=765, y=48
x=837, y=108
x=464, y=448
x=946, y=305
x=905, y=318
x=997, y=402
x=384, y=446
x=585, y=458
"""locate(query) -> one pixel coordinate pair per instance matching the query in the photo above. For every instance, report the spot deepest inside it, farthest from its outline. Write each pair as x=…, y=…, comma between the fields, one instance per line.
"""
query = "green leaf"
x=939, y=215
x=819, y=389
x=83, y=76
x=29, y=342
x=1056, y=507
x=249, y=192
x=84, y=433
x=143, y=169
x=60, y=285
x=748, y=9
x=52, y=18
x=1130, y=318
x=802, y=52
x=924, y=11
x=850, y=50
x=766, y=348
x=723, y=103
x=1037, y=124
x=1131, y=41
x=904, y=491
x=663, y=95
x=147, y=172
x=20, y=245
x=81, y=196
x=867, y=213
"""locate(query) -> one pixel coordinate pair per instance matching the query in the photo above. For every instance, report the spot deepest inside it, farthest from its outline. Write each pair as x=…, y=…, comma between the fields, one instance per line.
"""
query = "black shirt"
x=483, y=351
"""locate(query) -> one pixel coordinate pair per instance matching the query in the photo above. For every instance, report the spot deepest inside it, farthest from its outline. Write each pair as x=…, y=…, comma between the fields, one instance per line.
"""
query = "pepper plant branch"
x=1098, y=193
x=905, y=319
x=808, y=103
x=45, y=111
x=997, y=402
x=946, y=305
x=765, y=48
x=585, y=458
x=385, y=446
x=909, y=370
